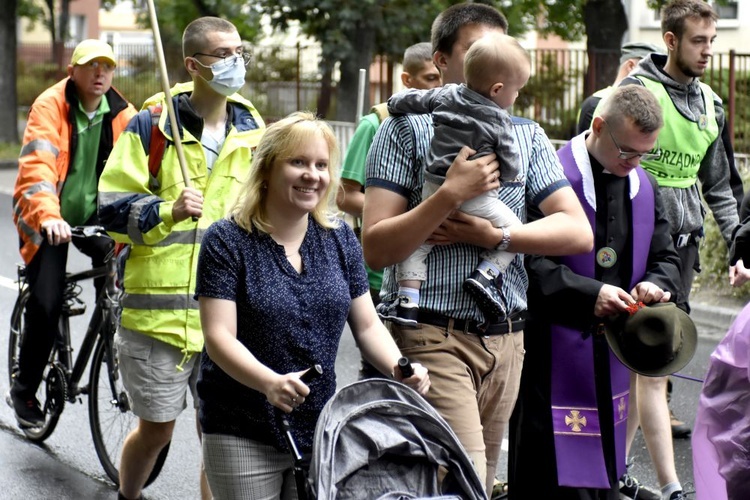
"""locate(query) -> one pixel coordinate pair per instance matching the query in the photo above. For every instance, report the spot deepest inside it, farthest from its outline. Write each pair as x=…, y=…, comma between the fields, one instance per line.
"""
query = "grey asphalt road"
x=66, y=466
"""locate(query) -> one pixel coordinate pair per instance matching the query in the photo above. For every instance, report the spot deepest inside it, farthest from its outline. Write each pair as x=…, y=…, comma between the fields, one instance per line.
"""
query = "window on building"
x=76, y=29
x=725, y=10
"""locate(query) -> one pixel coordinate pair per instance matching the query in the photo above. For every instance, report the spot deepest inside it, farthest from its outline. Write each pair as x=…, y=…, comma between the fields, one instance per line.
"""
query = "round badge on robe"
x=702, y=122
x=606, y=257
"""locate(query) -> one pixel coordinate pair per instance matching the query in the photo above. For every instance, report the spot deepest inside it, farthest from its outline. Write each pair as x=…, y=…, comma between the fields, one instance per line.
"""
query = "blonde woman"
x=277, y=281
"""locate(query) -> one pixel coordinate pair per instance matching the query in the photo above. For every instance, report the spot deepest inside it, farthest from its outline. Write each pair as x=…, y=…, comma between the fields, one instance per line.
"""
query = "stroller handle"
x=304, y=491
x=314, y=372
x=405, y=366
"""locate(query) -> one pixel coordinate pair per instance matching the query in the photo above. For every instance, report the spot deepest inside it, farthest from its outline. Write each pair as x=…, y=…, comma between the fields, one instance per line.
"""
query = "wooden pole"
x=167, y=93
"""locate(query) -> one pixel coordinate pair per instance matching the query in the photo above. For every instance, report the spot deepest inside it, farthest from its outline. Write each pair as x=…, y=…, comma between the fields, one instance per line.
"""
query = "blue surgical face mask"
x=228, y=75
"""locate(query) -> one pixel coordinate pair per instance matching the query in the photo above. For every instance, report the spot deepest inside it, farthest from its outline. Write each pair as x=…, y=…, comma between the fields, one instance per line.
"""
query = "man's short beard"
x=690, y=72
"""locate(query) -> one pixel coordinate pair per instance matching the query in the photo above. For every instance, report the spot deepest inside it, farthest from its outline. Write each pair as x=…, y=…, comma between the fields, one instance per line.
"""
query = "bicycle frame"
x=110, y=418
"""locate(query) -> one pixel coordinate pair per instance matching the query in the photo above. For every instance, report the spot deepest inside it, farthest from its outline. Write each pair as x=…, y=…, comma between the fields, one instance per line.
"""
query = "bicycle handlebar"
x=88, y=231
x=84, y=232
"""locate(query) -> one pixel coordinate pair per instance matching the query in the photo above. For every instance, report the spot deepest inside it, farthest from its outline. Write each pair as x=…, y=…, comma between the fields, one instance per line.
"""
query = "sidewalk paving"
x=713, y=316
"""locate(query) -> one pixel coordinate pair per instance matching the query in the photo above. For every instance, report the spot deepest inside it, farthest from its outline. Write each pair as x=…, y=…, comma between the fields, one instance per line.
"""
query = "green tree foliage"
x=32, y=11
x=560, y=17
x=351, y=33
x=174, y=15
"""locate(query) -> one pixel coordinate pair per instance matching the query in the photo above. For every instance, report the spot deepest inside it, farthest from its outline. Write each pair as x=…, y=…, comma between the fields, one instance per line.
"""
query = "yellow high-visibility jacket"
x=136, y=208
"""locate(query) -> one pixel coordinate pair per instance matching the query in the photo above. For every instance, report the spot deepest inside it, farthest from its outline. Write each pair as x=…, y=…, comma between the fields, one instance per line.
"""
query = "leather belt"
x=514, y=323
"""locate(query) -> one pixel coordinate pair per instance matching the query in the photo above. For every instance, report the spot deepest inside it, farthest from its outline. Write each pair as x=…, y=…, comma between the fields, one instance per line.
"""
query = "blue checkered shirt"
x=396, y=163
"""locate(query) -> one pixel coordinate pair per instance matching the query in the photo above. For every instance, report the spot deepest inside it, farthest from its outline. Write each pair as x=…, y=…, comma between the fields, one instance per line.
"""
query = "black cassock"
x=558, y=295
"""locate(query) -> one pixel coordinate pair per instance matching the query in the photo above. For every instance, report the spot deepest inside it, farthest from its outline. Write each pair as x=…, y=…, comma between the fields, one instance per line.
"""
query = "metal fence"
x=284, y=79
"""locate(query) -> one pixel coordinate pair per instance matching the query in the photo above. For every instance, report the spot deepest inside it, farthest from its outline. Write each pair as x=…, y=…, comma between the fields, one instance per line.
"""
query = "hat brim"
x=90, y=57
x=682, y=358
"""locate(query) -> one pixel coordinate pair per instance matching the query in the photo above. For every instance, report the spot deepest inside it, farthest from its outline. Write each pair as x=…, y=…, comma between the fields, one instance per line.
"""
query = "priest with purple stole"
x=568, y=429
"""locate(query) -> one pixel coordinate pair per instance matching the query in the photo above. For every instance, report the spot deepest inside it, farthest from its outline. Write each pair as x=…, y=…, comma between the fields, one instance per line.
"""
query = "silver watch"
x=505, y=242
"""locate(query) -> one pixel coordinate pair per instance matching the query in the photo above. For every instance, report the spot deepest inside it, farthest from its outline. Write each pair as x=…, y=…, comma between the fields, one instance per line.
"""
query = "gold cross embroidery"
x=575, y=420
x=621, y=407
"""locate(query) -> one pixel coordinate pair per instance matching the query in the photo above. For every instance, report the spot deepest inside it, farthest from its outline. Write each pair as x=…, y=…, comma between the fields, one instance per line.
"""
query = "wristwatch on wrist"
x=505, y=242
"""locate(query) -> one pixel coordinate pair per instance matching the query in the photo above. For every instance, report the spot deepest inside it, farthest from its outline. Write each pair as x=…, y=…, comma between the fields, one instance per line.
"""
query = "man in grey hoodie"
x=695, y=146
x=695, y=142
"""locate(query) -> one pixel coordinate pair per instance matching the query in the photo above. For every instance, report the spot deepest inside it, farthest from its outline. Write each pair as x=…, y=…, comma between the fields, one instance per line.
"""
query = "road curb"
x=713, y=316
x=8, y=164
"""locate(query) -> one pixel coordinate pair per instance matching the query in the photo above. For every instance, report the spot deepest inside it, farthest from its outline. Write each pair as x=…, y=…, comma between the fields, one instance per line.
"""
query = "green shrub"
x=34, y=80
x=138, y=87
x=9, y=151
x=714, y=257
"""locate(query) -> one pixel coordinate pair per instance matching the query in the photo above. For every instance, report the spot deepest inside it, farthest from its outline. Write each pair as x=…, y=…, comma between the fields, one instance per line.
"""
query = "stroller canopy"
x=380, y=439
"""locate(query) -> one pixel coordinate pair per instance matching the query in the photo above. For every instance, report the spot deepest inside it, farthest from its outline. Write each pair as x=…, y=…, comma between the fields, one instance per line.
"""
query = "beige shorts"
x=156, y=388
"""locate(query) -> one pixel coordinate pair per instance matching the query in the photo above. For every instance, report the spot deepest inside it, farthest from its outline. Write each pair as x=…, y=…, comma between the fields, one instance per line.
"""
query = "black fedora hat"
x=655, y=340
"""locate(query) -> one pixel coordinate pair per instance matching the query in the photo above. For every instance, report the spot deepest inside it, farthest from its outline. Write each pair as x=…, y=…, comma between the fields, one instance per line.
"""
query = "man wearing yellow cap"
x=70, y=131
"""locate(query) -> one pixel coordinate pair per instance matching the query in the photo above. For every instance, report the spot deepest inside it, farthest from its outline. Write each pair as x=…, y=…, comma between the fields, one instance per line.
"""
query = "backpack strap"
x=158, y=142
x=381, y=110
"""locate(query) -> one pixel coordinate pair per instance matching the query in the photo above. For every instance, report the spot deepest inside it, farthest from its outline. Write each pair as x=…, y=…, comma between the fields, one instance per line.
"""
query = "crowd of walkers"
x=536, y=292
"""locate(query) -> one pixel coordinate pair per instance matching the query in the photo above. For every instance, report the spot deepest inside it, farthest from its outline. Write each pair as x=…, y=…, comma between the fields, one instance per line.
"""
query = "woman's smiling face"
x=298, y=182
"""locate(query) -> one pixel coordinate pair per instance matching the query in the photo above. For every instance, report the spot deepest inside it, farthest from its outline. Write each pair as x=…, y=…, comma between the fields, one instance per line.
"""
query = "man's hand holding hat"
x=655, y=340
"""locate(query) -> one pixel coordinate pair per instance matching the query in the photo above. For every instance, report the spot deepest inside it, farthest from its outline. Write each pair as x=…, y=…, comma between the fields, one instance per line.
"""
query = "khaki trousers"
x=475, y=381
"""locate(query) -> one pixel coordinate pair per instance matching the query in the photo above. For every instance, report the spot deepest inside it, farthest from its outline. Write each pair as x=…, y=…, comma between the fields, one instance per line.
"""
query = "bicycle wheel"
x=109, y=414
x=51, y=392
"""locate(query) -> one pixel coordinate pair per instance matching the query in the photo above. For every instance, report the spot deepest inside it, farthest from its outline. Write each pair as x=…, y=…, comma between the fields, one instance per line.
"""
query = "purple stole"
x=575, y=415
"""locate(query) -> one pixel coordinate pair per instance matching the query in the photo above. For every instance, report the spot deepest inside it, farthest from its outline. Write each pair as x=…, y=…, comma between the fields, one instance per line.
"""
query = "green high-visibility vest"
x=683, y=142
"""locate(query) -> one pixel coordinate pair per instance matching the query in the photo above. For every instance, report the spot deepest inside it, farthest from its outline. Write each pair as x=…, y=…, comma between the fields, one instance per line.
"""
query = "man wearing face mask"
x=143, y=201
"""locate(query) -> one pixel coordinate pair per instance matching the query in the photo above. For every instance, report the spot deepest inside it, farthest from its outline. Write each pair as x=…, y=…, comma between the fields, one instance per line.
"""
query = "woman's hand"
x=419, y=381
x=287, y=392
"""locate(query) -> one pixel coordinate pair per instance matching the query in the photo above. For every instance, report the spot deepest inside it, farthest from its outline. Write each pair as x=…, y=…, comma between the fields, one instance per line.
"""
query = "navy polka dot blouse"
x=288, y=320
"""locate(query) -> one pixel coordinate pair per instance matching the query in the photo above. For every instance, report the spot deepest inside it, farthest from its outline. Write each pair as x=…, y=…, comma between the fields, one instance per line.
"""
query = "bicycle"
x=110, y=418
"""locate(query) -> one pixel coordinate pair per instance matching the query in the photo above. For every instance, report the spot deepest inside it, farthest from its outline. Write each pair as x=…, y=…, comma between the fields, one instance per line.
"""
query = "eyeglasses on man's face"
x=229, y=59
x=103, y=65
x=629, y=155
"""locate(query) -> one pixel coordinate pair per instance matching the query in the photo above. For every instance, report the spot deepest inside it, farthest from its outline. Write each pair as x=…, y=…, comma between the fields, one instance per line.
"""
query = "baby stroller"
x=379, y=439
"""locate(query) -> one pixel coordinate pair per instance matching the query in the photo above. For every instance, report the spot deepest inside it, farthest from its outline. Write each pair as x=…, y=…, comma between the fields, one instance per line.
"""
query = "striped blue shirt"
x=396, y=163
